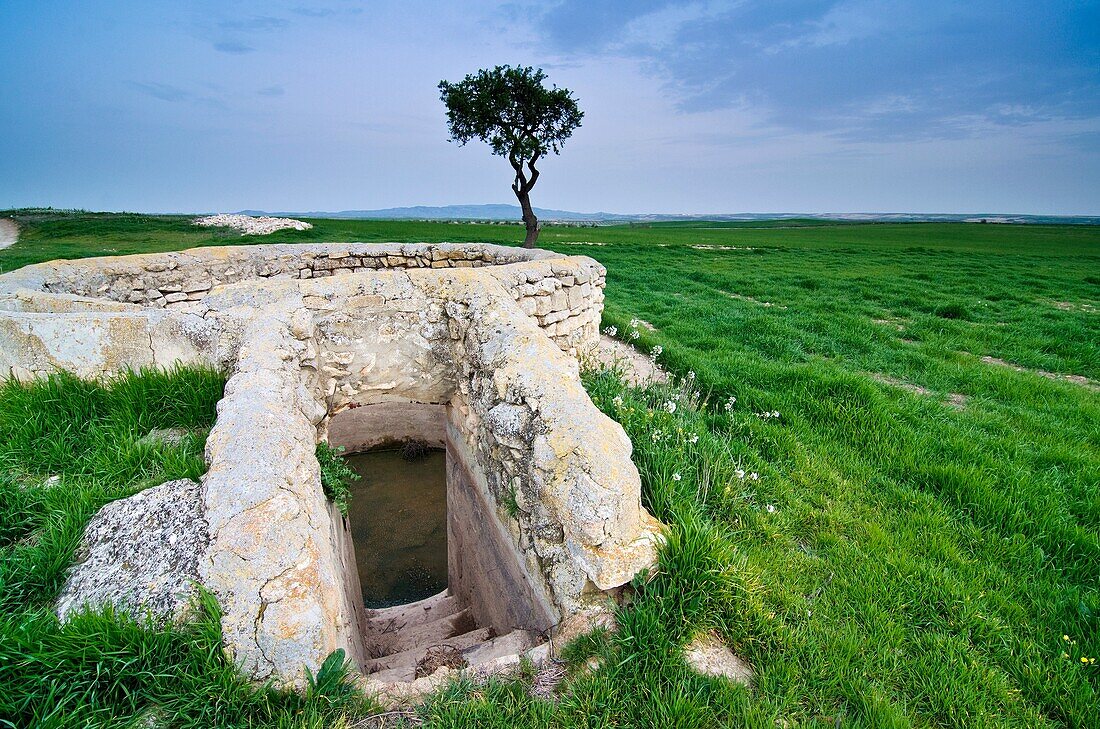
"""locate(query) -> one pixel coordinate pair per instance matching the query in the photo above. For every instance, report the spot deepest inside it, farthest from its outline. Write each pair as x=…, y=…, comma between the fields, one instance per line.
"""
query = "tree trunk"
x=529, y=219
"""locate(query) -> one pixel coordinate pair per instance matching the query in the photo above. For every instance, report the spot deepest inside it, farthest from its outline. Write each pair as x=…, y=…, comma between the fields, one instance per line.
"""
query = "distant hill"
x=452, y=212
x=512, y=212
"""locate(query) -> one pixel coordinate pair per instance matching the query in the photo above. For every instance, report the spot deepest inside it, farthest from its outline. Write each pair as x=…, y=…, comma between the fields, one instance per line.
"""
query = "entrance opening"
x=398, y=519
x=434, y=564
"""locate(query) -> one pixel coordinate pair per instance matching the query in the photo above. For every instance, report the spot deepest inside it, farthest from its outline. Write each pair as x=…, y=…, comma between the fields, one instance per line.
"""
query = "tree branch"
x=520, y=185
x=530, y=183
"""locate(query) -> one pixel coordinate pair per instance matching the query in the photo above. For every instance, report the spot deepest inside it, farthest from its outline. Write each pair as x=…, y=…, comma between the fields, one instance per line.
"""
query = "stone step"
x=399, y=674
x=408, y=659
x=481, y=652
x=518, y=641
x=413, y=614
x=423, y=635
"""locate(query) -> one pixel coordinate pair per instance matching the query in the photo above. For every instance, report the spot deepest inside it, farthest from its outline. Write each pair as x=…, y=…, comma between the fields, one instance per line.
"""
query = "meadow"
x=881, y=474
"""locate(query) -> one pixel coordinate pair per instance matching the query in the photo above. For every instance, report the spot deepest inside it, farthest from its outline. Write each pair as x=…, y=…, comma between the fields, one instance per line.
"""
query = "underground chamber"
x=437, y=576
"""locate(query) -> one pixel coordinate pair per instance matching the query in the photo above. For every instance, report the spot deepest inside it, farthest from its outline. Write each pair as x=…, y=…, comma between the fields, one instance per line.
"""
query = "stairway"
x=399, y=637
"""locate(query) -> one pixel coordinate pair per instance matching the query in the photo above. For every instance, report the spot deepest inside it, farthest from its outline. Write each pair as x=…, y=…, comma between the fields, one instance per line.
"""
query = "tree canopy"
x=510, y=109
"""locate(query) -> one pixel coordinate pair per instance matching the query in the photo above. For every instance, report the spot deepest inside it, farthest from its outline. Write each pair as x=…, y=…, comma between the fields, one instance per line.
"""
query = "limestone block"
x=190, y=287
x=510, y=424
x=141, y=555
x=547, y=286
x=543, y=305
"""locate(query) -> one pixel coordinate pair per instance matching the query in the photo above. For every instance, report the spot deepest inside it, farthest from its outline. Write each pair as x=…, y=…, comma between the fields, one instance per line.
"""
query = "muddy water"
x=398, y=515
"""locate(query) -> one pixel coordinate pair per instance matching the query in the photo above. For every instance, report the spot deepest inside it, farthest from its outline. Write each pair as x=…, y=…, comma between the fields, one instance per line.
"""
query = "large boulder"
x=141, y=555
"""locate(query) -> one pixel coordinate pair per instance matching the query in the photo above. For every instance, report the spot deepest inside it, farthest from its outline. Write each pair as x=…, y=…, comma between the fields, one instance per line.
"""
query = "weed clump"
x=414, y=450
x=952, y=311
x=336, y=475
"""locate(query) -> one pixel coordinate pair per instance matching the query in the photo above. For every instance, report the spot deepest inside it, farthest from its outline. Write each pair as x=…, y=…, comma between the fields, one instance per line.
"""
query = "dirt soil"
x=438, y=656
x=638, y=368
x=1075, y=379
x=9, y=232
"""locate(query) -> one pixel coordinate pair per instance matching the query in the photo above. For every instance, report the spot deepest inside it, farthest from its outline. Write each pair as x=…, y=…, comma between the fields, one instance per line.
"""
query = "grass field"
x=921, y=546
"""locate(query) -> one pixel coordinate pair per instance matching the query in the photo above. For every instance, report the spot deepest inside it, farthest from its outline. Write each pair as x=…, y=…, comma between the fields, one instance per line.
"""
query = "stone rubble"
x=250, y=225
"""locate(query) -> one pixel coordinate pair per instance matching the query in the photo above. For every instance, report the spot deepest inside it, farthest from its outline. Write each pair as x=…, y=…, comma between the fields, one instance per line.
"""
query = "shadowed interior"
x=415, y=526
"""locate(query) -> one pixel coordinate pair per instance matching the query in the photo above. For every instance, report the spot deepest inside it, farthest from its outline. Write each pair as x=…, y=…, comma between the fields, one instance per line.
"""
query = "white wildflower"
x=617, y=401
x=670, y=406
x=675, y=477
x=611, y=331
x=634, y=323
x=739, y=473
x=691, y=374
x=754, y=476
x=693, y=438
x=770, y=508
x=634, y=334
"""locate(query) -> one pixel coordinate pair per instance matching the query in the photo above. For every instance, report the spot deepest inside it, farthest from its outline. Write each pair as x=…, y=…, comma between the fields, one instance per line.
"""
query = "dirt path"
x=1075, y=379
x=638, y=368
x=9, y=232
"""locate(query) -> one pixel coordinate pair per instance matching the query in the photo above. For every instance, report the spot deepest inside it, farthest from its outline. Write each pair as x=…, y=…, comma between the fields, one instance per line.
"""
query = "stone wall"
x=485, y=568
x=371, y=426
x=274, y=561
x=554, y=468
x=563, y=294
x=95, y=343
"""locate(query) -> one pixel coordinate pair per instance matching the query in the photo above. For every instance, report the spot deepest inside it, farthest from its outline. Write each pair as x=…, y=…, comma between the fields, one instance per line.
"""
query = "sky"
x=809, y=106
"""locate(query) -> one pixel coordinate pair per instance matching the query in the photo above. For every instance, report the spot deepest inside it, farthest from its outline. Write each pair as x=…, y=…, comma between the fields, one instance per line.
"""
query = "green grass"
x=66, y=448
x=903, y=559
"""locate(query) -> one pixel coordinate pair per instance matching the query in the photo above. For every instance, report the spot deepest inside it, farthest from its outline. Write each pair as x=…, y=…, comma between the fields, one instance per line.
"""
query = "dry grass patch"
x=1080, y=380
x=753, y=300
x=954, y=400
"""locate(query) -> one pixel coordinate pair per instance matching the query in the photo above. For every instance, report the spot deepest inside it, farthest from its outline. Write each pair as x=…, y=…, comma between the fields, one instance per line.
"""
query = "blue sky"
x=695, y=107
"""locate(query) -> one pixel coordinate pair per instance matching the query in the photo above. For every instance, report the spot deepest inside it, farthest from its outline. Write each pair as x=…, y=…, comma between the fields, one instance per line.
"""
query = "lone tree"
x=518, y=117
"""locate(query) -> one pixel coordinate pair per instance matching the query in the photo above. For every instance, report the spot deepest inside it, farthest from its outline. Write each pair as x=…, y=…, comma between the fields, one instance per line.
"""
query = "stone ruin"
x=469, y=347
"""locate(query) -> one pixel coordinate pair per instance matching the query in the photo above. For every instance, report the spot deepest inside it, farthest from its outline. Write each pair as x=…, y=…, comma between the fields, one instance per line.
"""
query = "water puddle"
x=398, y=516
